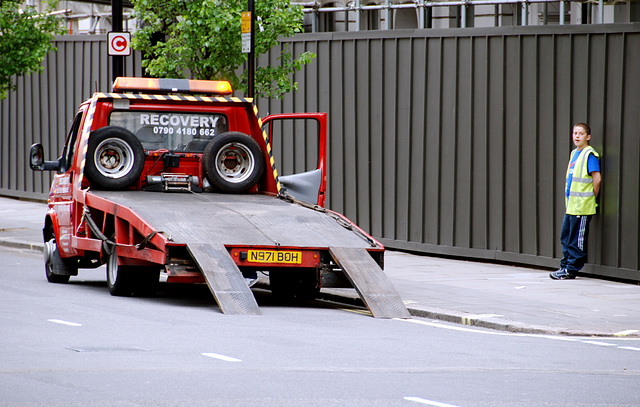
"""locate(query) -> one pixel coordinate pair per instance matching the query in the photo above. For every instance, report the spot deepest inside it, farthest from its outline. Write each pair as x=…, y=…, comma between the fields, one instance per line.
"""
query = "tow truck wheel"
x=119, y=278
x=115, y=158
x=130, y=280
x=55, y=268
x=233, y=162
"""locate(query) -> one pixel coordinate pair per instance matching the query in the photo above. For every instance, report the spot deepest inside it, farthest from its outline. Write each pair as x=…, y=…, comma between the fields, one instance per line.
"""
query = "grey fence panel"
x=449, y=142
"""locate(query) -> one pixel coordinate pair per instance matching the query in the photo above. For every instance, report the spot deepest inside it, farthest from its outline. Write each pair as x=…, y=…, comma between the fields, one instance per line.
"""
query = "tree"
x=202, y=38
x=25, y=39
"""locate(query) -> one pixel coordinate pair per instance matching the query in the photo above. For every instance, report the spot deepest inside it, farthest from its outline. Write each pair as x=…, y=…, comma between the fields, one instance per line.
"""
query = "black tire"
x=124, y=281
x=115, y=158
x=119, y=278
x=233, y=162
x=53, y=261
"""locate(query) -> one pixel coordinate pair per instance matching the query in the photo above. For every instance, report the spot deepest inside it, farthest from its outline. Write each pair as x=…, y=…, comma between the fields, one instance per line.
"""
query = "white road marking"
x=221, y=357
x=59, y=321
x=555, y=338
x=457, y=328
x=629, y=348
x=599, y=343
x=428, y=402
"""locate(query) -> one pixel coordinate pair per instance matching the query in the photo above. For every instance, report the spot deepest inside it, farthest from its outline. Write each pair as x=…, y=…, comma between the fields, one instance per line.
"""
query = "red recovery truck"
x=178, y=177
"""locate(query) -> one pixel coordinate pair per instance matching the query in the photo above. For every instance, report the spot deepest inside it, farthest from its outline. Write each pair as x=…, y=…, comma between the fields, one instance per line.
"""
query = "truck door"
x=299, y=146
x=61, y=194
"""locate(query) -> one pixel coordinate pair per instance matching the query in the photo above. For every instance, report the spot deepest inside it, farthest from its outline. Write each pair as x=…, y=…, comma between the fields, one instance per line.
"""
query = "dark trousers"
x=573, y=237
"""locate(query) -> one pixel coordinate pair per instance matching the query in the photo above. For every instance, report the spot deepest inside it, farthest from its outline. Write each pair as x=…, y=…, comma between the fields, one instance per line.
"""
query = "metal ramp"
x=224, y=279
x=373, y=286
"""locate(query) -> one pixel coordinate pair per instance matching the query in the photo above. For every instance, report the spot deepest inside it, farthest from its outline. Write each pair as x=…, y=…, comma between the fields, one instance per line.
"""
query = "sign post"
x=248, y=23
x=117, y=61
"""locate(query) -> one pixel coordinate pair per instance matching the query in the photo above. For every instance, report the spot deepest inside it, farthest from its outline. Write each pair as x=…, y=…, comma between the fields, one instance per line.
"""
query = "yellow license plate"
x=273, y=256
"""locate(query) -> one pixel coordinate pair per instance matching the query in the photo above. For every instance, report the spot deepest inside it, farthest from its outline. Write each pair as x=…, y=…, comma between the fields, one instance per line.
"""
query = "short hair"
x=585, y=126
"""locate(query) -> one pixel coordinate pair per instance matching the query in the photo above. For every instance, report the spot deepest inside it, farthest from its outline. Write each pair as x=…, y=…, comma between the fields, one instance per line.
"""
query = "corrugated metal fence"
x=451, y=142
x=44, y=106
x=456, y=142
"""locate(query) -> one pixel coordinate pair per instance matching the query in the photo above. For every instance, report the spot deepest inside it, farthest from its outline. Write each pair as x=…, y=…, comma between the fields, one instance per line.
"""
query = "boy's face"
x=580, y=137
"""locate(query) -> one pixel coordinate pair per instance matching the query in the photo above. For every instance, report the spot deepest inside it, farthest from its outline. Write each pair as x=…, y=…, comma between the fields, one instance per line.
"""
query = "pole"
x=117, y=61
x=251, y=58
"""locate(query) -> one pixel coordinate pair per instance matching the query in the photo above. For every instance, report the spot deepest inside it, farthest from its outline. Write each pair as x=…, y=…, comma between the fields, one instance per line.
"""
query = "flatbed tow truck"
x=178, y=176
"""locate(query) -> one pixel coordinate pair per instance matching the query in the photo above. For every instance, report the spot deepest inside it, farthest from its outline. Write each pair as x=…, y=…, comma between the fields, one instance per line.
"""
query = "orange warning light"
x=150, y=85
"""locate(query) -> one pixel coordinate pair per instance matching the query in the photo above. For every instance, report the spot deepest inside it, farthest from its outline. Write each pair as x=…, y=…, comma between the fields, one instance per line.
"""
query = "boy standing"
x=582, y=187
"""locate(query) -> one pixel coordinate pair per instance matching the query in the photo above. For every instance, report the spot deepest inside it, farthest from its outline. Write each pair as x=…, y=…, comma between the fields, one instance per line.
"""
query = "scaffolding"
x=354, y=11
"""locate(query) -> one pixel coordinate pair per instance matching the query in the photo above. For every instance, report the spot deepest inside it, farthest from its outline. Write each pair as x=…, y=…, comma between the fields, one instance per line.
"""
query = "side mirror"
x=37, y=162
x=36, y=157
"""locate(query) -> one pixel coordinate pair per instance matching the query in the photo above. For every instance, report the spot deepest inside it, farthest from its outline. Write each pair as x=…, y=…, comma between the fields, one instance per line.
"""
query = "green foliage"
x=202, y=38
x=25, y=39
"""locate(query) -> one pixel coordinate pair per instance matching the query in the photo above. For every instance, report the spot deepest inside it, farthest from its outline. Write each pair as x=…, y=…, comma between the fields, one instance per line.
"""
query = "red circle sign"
x=119, y=43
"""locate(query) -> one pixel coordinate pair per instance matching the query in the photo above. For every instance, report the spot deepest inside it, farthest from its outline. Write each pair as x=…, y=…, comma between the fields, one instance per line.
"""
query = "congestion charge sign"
x=119, y=43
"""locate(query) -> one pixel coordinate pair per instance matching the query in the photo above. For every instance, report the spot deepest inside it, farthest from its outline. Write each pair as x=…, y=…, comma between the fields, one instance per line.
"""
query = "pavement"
x=495, y=296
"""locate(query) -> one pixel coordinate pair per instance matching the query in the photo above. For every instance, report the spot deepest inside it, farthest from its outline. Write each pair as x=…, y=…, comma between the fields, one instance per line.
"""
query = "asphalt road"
x=75, y=345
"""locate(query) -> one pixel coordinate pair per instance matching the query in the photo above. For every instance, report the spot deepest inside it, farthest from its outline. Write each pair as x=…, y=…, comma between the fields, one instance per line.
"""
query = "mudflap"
x=224, y=279
x=373, y=286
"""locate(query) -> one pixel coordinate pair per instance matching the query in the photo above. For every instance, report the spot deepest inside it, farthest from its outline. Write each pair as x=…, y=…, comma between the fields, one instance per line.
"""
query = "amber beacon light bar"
x=149, y=85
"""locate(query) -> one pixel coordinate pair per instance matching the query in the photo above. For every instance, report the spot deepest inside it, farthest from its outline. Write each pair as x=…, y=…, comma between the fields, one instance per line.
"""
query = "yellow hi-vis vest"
x=582, y=199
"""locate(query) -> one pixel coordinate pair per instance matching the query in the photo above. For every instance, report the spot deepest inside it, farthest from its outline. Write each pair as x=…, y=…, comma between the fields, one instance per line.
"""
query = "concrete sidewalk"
x=508, y=298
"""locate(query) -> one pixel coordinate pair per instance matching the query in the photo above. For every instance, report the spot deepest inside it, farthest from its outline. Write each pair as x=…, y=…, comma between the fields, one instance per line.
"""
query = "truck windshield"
x=189, y=132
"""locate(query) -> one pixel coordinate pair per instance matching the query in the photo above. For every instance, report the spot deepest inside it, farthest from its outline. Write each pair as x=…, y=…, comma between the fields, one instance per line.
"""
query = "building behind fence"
x=94, y=16
x=450, y=142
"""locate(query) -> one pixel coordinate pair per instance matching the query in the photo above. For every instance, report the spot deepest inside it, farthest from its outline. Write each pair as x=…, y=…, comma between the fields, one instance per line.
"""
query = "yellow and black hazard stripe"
x=268, y=143
x=180, y=98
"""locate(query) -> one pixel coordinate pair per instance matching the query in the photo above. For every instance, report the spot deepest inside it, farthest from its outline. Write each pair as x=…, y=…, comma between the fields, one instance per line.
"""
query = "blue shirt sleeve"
x=593, y=164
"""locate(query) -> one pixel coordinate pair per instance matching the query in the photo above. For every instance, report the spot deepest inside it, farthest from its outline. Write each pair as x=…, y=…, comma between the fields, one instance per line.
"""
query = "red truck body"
x=178, y=177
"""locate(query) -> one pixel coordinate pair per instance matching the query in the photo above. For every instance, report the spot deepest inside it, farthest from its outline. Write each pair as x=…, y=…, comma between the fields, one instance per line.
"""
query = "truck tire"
x=124, y=281
x=56, y=269
x=233, y=162
x=115, y=158
x=119, y=278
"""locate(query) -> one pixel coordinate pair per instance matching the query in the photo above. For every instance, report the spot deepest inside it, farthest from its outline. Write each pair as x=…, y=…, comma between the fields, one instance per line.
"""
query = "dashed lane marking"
x=428, y=402
x=59, y=321
x=221, y=357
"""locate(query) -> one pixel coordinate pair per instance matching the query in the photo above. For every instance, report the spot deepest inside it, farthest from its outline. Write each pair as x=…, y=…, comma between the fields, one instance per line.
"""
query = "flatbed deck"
x=237, y=219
